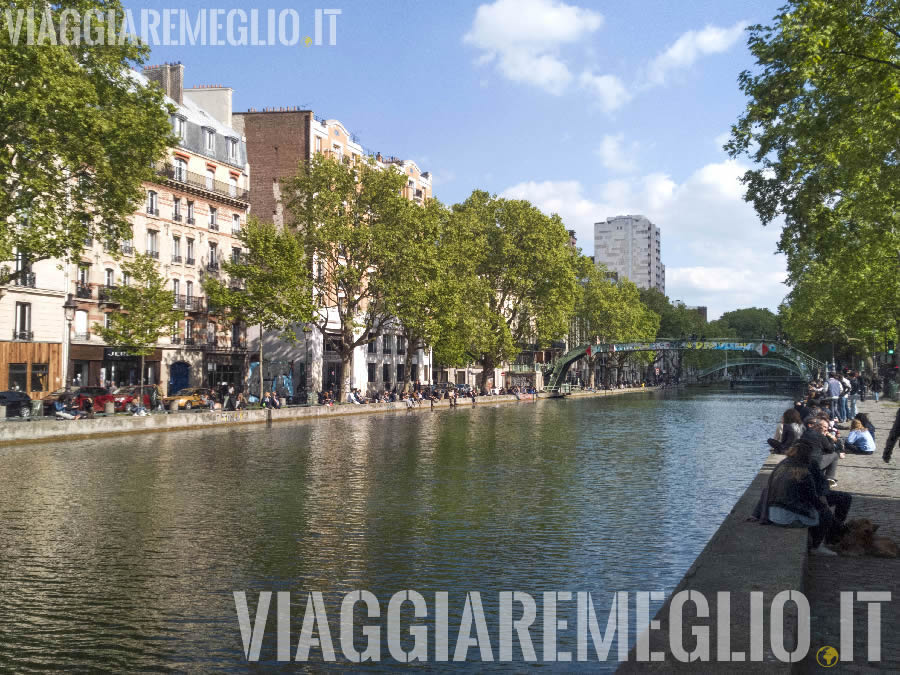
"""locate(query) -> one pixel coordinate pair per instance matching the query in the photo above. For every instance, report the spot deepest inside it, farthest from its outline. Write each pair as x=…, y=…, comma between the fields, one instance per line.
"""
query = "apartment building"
x=193, y=210
x=278, y=140
x=629, y=246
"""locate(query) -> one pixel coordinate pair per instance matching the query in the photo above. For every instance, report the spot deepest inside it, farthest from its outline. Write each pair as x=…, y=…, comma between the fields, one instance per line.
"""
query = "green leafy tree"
x=821, y=126
x=750, y=323
x=269, y=284
x=351, y=219
x=146, y=310
x=612, y=311
x=78, y=136
x=521, y=278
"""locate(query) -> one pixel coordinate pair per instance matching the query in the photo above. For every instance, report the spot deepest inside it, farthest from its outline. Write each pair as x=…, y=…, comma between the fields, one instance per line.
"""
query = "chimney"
x=170, y=77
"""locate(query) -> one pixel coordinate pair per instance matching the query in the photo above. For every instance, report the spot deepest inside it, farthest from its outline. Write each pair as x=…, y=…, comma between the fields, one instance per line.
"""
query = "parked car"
x=188, y=398
x=126, y=399
x=18, y=403
x=99, y=395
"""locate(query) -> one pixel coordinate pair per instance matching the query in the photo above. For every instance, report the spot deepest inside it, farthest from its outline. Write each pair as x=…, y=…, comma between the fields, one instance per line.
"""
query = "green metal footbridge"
x=776, y=354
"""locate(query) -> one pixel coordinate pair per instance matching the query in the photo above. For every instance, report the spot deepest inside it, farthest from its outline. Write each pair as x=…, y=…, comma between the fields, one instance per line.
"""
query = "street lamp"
x=69, y=312
x=307, y=332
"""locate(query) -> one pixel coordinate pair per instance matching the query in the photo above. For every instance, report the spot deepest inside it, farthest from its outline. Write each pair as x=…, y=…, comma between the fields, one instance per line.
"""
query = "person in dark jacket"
x=892, y=439
x=793, y=498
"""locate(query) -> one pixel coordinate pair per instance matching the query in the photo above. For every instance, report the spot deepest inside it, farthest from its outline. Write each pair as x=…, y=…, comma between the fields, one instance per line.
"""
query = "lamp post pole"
x=307, y=332
x=69, y=313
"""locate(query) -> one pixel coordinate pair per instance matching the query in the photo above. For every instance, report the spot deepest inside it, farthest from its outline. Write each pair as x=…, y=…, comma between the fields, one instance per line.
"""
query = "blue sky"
x=589, y=109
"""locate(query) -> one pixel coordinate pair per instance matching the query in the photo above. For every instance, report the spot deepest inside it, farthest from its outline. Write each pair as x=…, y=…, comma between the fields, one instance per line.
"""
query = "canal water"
x=124, y=553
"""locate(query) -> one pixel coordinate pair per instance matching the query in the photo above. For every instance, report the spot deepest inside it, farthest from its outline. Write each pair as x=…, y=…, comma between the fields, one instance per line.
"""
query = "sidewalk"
x=875, y=487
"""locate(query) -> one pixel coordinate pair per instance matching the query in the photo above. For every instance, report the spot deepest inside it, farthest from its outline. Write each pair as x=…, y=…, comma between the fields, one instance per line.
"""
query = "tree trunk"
x=346, y=375
x=591, y=360
x=487, y=371
x=407, y=371
x=261, y=371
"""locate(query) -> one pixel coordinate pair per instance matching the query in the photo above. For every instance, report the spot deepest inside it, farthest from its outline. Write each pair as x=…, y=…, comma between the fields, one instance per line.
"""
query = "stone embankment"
x=743, y=556
x=47, y=429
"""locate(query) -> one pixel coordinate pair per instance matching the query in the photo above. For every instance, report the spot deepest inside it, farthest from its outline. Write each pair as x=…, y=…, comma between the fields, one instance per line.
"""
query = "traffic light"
x=890, y=347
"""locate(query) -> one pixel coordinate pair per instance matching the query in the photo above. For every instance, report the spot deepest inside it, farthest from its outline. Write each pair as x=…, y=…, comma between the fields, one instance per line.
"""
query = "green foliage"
x=675, y=321
x=520, y=277
x=146, y=309
x=77, y=137
x=353, y=223
x=822, y=126
x=746, y=324
x=270, y=282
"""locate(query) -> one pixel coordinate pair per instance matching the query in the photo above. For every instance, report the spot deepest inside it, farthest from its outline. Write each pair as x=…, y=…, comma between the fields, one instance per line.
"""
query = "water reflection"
x=123, y=553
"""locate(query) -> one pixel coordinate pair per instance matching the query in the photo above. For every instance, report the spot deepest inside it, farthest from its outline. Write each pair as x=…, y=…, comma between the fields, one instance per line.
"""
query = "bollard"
x=109, y=408
x=283, y=401
x=173, y=406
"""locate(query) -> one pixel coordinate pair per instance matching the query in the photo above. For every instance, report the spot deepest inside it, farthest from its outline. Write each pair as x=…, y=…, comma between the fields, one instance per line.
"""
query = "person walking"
x=833, y=392
x=876, y=386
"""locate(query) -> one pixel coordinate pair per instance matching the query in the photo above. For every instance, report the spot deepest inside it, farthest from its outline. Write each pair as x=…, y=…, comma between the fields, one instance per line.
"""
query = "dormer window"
x=209, y=139
x=178, y=126
x=233, y=149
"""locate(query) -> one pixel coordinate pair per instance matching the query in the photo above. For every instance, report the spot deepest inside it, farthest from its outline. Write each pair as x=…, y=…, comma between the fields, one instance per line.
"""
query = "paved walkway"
x=875, y=487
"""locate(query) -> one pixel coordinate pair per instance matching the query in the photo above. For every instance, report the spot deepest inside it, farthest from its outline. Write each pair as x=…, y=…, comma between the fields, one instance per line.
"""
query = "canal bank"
x=41, y=430
x=744, y=557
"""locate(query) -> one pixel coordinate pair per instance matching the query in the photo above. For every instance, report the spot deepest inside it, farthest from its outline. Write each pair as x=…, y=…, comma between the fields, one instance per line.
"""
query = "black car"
x=18, y=404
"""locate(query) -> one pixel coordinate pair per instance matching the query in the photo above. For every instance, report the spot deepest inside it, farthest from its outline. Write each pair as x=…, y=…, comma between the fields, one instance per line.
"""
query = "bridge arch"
x=779, y=352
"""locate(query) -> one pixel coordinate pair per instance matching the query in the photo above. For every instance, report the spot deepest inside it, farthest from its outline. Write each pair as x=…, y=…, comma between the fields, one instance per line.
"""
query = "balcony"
x=82, y=337
x=25, y=280
x=200, y=182
x=22, y=335
x=222, y=345
x=191, y=221
x=175, y=340
x=103, y=294
x=152, y=211
x=189, y=342
x=153, y=254
x=127, y=249
x=193, y=304
x=214, y=227
x=176, y=217
x=177, y=259
x=190, y=261
x=84, y=291
x=88, y=242
x=212, y=267
x=235, y=231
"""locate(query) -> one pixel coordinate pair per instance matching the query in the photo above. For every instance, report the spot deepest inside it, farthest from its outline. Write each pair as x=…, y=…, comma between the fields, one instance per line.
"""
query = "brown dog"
x=858, y=538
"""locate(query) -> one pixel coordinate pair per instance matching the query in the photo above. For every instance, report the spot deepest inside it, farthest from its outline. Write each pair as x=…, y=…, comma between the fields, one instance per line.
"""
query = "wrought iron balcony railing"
x=22, y=335
x=197, y=180
x=82, y=336
x=26, y=280
x=84, y=291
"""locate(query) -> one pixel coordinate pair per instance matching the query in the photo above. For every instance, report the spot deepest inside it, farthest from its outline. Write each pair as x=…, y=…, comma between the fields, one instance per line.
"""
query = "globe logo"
x=827, y=657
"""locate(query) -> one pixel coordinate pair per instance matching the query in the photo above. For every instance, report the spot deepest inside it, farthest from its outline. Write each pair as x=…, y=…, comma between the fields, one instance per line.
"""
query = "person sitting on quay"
x=824, y=452
x=240, y=403
x=787, y=432
x=867, y=423
x=859, y=440
x=797, y=497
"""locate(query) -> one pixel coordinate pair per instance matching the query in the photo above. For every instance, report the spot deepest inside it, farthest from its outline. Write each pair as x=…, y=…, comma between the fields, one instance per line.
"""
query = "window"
x=400, y=372
x=176, y=210
x=371, y=368
x=107, y=320
x=190, y=251
x=84, y=274
x=189, y=289
x=18, y=373
x=153, y=243
x=213, y=217
x=176, y=249
x=235, y=224
x=414, y=372
x=373, y=346
x=329, y=344
x=180, y=170
x=232, y=149
x=232, y=186
x=210, y=178
x=189, y=331
x=318, y=144
x=388, y=347
x=190, y=213
x=401, y=344
x=211, y=333
x=109, y=278
x=178, y=126
x=176, y=287
x=386, y=374
x=125, y=278
x=209, y=138
x=338, y=152
x=235, y=255
x=22, y=329
x=213, y=253
x=152, y=203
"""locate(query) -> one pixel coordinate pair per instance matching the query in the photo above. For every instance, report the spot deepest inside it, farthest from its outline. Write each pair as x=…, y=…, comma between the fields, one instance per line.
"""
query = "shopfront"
x=111, y=367
x=224, y=369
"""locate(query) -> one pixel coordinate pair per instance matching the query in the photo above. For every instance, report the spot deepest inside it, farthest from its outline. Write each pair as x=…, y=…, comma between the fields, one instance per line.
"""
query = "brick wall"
x=276, y=143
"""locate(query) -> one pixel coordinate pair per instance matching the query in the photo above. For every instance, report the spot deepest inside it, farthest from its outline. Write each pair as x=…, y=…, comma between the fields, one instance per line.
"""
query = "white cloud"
x=690, y=46
x=523, y=37
x=608, y=90
x=616, y=155
x=715, y=250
